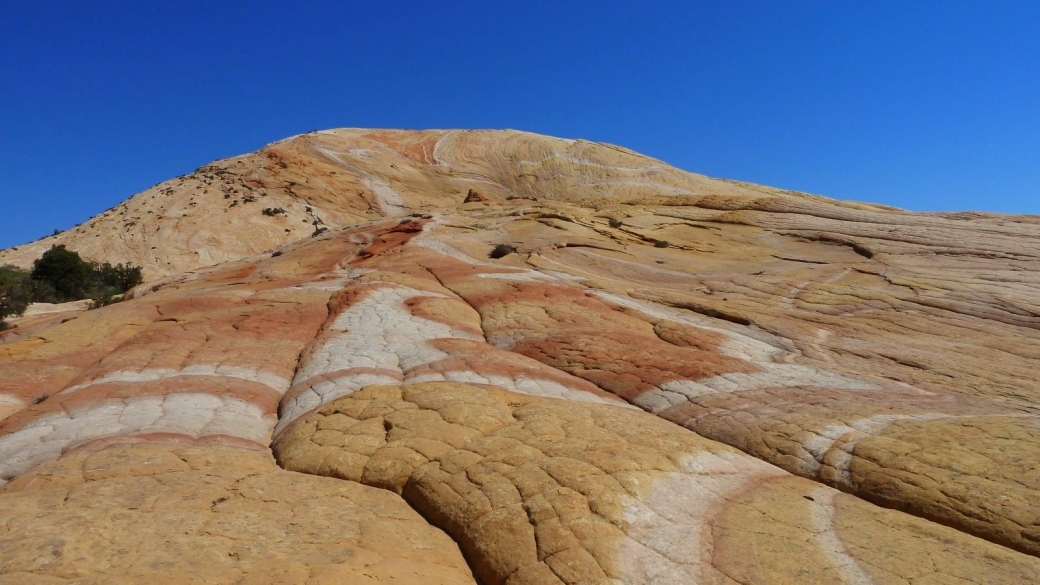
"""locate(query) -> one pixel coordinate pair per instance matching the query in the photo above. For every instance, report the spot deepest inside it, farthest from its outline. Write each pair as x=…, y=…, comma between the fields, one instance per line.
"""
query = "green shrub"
x=15, y=293
x=122, y=277
x=60, y=276
x=68, y=274
x=102, y=298
x=43, y=292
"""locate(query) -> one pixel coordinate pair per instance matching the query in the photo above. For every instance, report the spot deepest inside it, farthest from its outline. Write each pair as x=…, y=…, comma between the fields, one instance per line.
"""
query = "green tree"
x=15, y=293
x=64, y=270
x=120, y=278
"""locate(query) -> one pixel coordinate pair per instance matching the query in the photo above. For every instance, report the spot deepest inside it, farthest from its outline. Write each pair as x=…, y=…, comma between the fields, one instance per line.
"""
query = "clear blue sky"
x=922, y=105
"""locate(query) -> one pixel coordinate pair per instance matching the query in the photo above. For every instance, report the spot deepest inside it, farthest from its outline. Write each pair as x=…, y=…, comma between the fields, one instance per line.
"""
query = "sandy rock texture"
x=205, y=354
x=541, y=490
x=581, y=364
x=336, y=178
x=180, y=514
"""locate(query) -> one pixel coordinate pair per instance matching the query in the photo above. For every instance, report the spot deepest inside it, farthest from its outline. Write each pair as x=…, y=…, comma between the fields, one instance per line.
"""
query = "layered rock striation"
x=498, y=357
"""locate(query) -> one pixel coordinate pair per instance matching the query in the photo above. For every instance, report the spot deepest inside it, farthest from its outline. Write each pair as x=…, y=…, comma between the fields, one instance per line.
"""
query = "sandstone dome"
x=387, y=356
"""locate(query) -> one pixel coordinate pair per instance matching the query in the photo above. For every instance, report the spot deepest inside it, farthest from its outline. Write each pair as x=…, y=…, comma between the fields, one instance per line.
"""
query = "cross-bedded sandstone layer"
x=539, y=491
x=655, y=378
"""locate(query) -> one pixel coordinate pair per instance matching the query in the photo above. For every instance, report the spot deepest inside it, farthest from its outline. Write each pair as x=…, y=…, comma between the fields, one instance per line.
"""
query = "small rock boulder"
x=474, y=197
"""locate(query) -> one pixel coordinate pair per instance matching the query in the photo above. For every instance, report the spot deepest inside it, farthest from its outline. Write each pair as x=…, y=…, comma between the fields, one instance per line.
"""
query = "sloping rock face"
x=656, y=377
x=154, y=513
x=541, y=491
x=337, y=178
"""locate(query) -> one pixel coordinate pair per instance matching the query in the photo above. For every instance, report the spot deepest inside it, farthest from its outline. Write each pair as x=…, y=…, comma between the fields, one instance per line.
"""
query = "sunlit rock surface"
x=154, y=513
x=600, y=369
x=545, y=491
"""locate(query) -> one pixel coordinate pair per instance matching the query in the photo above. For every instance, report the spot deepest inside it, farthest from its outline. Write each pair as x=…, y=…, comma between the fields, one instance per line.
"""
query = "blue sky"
x=922, y=105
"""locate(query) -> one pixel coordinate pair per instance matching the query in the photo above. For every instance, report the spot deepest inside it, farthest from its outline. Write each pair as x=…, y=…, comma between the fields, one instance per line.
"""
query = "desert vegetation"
x=60, y=275
x=15, y=293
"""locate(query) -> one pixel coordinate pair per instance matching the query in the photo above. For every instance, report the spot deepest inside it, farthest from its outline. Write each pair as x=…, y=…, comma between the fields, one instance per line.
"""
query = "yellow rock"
x=546, y=491
x=664, y=380
x=152, y=513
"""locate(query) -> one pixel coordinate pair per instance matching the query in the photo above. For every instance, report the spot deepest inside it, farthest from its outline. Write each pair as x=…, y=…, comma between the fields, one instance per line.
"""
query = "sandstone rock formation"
x=154, y=513
x=541, y=491
x=671, y=379
x=337, y=178
x=474, y=197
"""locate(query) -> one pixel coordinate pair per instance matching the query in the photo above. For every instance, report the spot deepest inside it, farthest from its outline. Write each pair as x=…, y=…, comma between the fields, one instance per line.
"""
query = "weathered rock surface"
x=474, y=197
x=663, y=382
x=341, y=177
x=208, y=356
x=180, y=514
x=543, y=491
